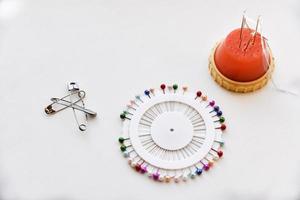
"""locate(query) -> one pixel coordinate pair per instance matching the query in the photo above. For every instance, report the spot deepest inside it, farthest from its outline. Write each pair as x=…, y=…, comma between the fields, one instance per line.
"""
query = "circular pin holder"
x=172, y=134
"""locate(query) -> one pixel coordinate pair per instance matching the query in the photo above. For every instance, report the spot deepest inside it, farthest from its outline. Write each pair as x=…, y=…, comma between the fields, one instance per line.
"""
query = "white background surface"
x=116, y=49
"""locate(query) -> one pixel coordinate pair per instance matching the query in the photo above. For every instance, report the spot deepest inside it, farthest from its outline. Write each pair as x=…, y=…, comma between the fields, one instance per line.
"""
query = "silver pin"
x=242, y=27
x=63, y=103
x=256, y=28
x=253, y=35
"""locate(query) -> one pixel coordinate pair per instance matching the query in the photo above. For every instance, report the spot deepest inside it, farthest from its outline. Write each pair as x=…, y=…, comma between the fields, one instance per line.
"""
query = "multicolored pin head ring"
x=75, y=96
x=172, y=133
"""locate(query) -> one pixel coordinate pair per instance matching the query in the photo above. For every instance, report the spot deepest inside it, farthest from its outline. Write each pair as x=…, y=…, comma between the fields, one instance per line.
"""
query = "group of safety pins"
x=73, y=100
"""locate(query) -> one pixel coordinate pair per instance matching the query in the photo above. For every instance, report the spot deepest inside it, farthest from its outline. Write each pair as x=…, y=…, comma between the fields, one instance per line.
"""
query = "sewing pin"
x=221, y=120
x=204, y=97
x=184, y=89
x=122, y=140
x=138, y=97
x=242, y=27
x=198, y=94
x=130, y=107
x=257, y=22
x=175, y=87
x=147, y=93
x=132, y=102
x=222, y=127
x=152, y=91
x=211, y=103
x=123, y=116
x=220, y=153
x=163, y=87
x=124, y=147
x=215, y=109
x=205, y=166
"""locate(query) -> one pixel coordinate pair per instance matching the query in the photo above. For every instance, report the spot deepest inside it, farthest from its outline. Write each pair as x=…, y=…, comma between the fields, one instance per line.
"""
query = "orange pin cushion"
x=242, y=62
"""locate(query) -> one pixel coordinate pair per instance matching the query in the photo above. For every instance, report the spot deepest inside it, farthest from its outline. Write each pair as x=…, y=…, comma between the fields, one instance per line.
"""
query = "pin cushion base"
x=236, y=86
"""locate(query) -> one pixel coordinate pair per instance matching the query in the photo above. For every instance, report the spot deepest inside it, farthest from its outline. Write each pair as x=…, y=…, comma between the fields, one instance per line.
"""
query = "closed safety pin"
x=63, y=103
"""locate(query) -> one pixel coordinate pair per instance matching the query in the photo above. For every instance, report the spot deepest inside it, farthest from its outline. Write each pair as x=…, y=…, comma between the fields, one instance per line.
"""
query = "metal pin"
x=198, y=94
x=147, y=93
x=145, y=135
x=257, y=22
x=211, y=103
x=152, y=91
x=123, y=116
x=163, y=87
x=132, y=102
x=247, y=45
x=184, y=89
x=241, y=32
x=205, y=166
x=122, y=139
x=138, y=97
x=158, y=108
x=127, y=112
x=242, y=27
x=222, y=127
x=210, y=162
x=219, y=152
x=215, y=109
x=130, y=107
x=175, y=87
x=254, y=35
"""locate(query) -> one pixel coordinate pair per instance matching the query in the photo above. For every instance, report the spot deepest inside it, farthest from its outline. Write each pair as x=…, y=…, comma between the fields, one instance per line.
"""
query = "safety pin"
x=49, y=109
x=81, y=126
x=72, y=105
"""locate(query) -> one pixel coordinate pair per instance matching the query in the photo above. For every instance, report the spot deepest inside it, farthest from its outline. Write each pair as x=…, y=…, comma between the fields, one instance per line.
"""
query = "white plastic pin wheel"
x=171, y=133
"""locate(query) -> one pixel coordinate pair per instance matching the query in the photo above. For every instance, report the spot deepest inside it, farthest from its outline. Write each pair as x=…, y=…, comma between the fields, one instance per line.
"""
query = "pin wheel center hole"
x=172, y=130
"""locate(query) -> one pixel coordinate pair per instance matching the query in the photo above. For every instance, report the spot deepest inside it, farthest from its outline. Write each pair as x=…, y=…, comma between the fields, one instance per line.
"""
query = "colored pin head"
x=123, y=116
x=147, y=93
x=167, y=179
x=223, y=127
x=138, y=168
x=220, y=153
x=143, y=169
x=175, y=87
x=199, y=171
x=206, y=167
x=216, y=108
x=192, y=175
x=138, y=97
x=123, y=147
x=163, y=87
x=155, y=176
x=198, y=94
x=121, y=140
x=204, y=97
x=152, y=91
x=222, y=119
x=125, y=154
